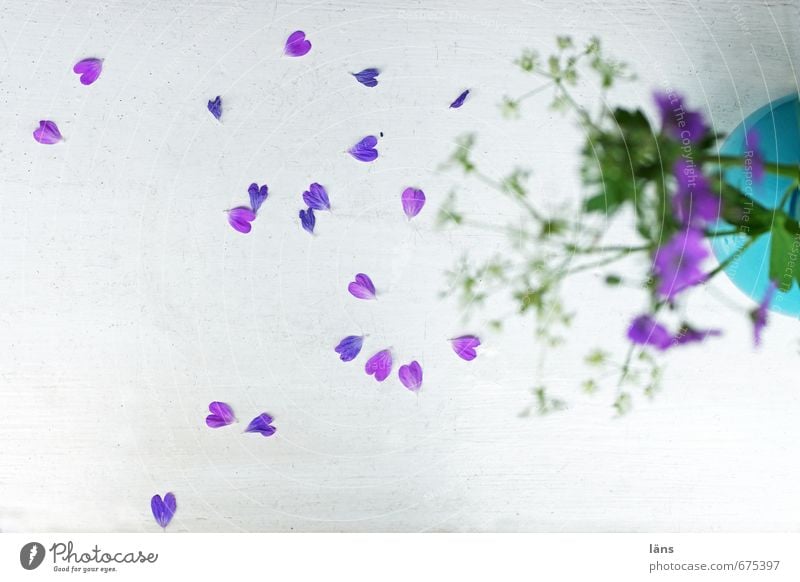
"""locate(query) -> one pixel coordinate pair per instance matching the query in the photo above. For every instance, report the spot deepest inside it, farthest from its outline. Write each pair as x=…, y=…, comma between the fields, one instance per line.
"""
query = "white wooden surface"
x=128, y=303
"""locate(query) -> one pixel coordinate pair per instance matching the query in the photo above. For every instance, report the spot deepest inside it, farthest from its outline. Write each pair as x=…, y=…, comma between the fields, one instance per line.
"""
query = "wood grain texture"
x=128, y=304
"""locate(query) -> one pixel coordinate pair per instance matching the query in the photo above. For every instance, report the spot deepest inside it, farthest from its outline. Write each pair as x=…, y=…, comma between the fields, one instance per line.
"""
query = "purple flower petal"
x=89, y=70
x=380, y=365
x=413, y=201
x=261, y=424
x=759, y=315
x=645, y=331
x=694, y=202
x=464, y=346
x=308, y=220
x=349, y=347
x=316, y=197
x=677, y=263
x=163, y=509
x=215, y=107
x=364, y=151
x=367, y=77
x=411, y=376
x=221, y=415
x=240, y=218
x=257, y=196
x=678, y=122
x=362, y=287
x=690, y=335
x=296, y=44
x=47, y=133
x=459, y=100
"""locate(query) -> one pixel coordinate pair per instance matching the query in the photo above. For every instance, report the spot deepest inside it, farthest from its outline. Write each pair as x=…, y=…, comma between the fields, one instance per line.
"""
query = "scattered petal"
x=47, y=133
x=459, y=100
x=257, y=196
x=316, y=197
x=163, y=509
x=240, y=218
x=413, y=201
x=464, y=346
x=411, y=376
x=367, y=77
x=261, y=424
x=221, y=415
x=380, y=365
x=308, y=220
x=759, y=315
x=89, y=70
x=349, y=347
x=215, y=107
x=296, y=44
x=362, y=287
x=364, y=151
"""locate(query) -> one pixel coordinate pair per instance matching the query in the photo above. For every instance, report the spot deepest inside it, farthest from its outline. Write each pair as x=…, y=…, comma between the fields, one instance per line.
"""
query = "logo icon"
x=31, y=555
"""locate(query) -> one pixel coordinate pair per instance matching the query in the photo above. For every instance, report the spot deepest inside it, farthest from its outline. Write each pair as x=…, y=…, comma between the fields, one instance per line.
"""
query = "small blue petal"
x=459, y=100
x=367, y=77
x=349, y=347
x=215, y=107
x=308, y=220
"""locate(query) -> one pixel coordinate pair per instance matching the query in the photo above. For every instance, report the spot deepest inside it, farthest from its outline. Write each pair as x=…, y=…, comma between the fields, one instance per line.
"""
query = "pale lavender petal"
x=367, y=77
x=411, y=376
x=47, y=133
x=464, y=346
x=308, y=220
x=163, y=509
x=89, y=70
x=240, y=218
x=459, y=100
x=257, y=196
x=316, y=197
x=296, y=44
x=221, y=415
x=364, y=151
x=362, y=287
x=379, y=365
x=261, y=424
x=413, y=201
x=215, y=107
x=349, y=347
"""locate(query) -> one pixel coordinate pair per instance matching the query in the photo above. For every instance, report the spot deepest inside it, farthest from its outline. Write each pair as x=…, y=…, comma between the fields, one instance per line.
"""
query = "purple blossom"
x=676, y=121
x=215, y=107
x=47, y=133
x=296, y=44
x=752, y=141
x=464, y=346
x=413, y=201
x=257, y=196
x=261, y=424
x=221, y=415
x=308, y=220
x=677, y=263
x=367, y=77
x=364, y=151
x=694, y=203
x=89, y=70
x=316, y=197
x=411, y=376
x=459, y=101
x=362, y=287
x=349, y=347
x=240, y=218
x=379, y=365
x=688, y=335
x=163, y=510
x=759, y=315
x=645, y=331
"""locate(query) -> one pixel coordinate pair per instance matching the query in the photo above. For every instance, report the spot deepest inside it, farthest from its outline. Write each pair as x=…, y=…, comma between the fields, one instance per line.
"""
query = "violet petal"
x=411, y=376
x=367, y=77
x=240, y=218
x=296, y=44
x=163, y=509
x=89, y=70
x=316, y=197
x=364, y=151
x=459, y=101
x=362, y=287
x=257, y=196
x=464, y=346
x=261, y=424
x=308, y=220
x=221, y=415
x=349, y=347
x=47, y=133
x=215, y=107
x=646, y=331
x=413, y=201
x=379, y=365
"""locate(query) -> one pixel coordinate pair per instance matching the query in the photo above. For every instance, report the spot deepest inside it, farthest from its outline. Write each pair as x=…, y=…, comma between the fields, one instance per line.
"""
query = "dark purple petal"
x=379, y=365
x=316, y=197
x=308, y=220
x=464, y=346
x=47, y=133
x=694, y=202
x=676, y=121
x=349, y=347
x=759, y=315
x=163, y=510
x=240, y=218
x=364, y=151
x=215, y=107
x=753, y=154
x=645, y=331
x=677, y=263
x=257, y=196
x=413, y=201
x=296, y=44
x=221, y=415
x=367, y=77
x=261, y=424
x=459, y=100
x=411, y=376
x=362, y=287
x=89, y=70
x=689, y=335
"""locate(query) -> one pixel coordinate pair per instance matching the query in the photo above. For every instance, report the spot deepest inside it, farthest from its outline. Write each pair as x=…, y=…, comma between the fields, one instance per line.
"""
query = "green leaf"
x=781, y=260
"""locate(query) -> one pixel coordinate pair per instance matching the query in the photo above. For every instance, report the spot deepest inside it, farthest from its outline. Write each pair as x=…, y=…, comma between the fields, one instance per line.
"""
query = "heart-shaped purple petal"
x=296, y=44
x=262, y=424
x=349, y=347
x=163, y=509
x=362, y=287
x=364, y=151
x=221, y=415
x=379, y=365
x=413, y=201
x=316, y=197
x=308, y=220
x=411, y=376
x=367, y=77
x=215, y=107
x=257, y=196
x=464, y=346
x=89, y=70
x=47, y=133
x=459, y=101
x=240, y=218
